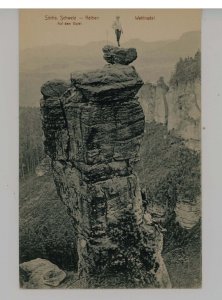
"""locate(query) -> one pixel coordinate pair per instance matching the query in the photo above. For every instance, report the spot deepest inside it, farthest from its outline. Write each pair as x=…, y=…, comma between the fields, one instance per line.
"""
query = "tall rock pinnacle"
x=93, y=129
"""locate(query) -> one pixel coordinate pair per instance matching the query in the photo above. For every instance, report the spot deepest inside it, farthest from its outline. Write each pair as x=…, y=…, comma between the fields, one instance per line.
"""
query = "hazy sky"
x=39, y=27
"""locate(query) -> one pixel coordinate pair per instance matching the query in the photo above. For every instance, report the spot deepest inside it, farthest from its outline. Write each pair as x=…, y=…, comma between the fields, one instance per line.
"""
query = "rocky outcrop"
x=40, y=273
x=188, y=213
x=184, y=112
x=116, y=55
x=93, y=131
x=178, y=108
x=152, y=98
x=183, y=121
x=54, y=88
x=147, y=98
x=112, y=83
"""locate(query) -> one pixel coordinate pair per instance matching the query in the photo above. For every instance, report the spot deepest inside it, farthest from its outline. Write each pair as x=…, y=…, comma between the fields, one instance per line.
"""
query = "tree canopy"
x=187, y=70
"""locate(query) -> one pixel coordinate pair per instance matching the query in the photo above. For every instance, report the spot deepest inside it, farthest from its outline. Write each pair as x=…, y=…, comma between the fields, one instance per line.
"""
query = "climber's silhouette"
x=118, y=29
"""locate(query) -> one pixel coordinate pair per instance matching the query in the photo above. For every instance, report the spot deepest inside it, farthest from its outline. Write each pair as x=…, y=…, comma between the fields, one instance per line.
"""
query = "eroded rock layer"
x=93, y=130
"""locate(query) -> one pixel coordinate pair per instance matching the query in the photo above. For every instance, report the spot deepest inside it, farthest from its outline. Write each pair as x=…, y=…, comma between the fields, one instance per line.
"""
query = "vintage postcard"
x=110, y=148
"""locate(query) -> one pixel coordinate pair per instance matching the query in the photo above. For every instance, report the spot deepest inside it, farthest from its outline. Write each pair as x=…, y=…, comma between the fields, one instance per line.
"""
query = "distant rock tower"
x=93, y=129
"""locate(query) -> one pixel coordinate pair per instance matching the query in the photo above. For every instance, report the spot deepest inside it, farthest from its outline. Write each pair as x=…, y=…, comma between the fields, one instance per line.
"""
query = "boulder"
x=54, y=88
x=115, y=55
x=40, y=273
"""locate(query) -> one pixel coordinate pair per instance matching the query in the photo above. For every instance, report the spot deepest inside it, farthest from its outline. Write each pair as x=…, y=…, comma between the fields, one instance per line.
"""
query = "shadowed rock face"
x=116, y=55
x=92, y=134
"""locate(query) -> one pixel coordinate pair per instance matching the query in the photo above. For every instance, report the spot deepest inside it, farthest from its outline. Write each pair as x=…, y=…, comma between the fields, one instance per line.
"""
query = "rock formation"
x=178, y=108
x=153, y=100
x=188, y=213
x=93, y=128
x=116, y=55
x=184, y=112
x=40, y=273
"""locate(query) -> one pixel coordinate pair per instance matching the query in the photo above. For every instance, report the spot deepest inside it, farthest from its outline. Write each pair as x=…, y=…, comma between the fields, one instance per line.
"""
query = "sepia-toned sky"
x=37, y=29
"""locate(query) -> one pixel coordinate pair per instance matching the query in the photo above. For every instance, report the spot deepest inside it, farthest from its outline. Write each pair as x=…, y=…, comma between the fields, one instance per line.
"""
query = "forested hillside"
x=30, y=140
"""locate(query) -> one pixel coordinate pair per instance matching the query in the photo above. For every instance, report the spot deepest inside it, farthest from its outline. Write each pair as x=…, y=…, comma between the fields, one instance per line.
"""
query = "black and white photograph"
x=110, y=149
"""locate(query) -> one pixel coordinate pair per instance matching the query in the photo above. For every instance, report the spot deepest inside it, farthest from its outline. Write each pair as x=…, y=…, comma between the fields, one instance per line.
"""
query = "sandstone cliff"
x=184, y=116
x=178, y=107
x=93, y=128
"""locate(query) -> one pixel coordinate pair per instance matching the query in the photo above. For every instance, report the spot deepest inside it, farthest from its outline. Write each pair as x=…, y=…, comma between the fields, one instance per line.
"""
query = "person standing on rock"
x=118, y=29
